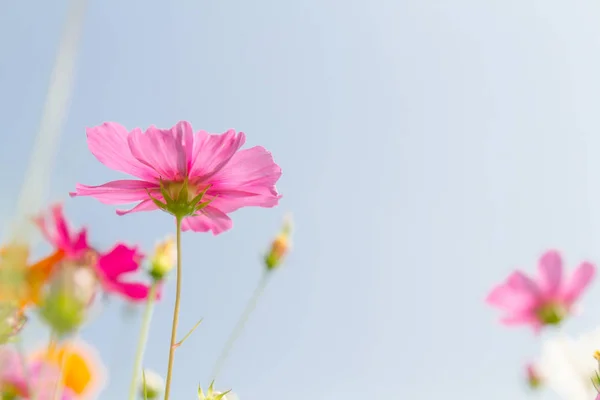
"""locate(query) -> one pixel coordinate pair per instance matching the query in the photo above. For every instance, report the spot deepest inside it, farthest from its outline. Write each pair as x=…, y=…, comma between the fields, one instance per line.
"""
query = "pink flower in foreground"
x=110, y=268
x=545, y=302
x=214, y=165
x=41, y=377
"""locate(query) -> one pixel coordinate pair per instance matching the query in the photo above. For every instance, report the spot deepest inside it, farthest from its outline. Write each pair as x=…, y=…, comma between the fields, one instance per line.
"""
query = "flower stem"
x=139, y=355
x=175, y=312
x=58, y=386
x=235, y=333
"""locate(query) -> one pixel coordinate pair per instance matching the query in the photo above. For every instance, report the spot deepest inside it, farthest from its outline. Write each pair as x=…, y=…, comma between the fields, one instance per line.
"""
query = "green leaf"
x=188, y=334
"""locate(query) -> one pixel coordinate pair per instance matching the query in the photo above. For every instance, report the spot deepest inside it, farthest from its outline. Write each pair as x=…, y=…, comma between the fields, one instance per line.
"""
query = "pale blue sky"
x=428, y=148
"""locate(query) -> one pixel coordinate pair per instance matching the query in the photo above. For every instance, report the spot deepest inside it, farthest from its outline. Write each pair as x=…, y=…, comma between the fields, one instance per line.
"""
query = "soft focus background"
x=428, y=148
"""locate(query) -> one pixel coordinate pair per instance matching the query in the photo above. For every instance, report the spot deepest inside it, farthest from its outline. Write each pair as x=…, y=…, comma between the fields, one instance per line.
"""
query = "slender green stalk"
x=58, y=386
x=139, y=355
x=239, y=327
x=175, y=313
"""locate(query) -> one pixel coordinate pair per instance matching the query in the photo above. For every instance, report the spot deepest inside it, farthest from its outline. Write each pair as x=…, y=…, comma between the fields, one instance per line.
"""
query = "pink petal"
x=43, y=378
x=131, y=291
x=59, y=234
x=520, y=319
x=60, y=224
x=211, y=219
x=11, y=367
x=213, y=152
x=580, y=279
x=117, y=192
x=120, y=260
x=166, y=151
x=523, y=318
x=550, y=273
x=504, y=296
x=80, y=244
x=521, y=282
x=108, y=142
x=146, y=205
x=247, y=180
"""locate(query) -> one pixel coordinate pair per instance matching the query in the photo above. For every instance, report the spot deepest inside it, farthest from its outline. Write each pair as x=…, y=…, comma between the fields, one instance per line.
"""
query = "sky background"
x=427, y=147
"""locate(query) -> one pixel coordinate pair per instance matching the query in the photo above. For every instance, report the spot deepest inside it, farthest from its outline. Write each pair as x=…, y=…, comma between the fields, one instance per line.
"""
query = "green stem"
x=236, y=332
x=175, y=312
x=58, y=387
x=139, y=354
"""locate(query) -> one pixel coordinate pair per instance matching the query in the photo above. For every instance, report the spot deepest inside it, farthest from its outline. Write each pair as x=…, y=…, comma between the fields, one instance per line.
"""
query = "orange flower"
x=81, y=369
x=20, y=283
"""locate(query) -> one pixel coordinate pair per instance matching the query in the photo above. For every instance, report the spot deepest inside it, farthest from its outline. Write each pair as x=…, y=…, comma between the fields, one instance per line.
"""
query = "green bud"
x=65, y=304
x=163, y=260
x=281, y=246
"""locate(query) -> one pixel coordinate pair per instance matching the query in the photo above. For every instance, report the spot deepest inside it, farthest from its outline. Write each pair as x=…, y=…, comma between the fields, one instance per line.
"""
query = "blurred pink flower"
x=55, y=230
x=14, y=379
x=111, y=268
x=235, y=178
x=545, y=302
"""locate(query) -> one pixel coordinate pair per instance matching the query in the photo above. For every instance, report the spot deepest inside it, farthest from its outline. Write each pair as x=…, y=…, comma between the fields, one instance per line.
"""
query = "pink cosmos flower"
x=111, y=268
x=546, y=301
x=233, y=178
x=41, y=377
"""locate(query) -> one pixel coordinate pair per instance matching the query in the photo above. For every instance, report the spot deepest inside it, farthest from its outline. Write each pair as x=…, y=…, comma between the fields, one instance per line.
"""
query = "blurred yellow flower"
x=81, y=369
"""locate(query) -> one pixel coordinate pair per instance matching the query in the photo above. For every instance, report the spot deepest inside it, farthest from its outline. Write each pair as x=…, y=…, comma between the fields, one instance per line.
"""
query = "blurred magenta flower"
x=18, y=383
x=545, y=302
x=111, y=268
x=211, y=163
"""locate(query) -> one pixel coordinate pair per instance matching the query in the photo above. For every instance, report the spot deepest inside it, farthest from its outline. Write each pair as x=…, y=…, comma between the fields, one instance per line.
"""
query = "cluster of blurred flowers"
x=568, y=366
x=197, y=177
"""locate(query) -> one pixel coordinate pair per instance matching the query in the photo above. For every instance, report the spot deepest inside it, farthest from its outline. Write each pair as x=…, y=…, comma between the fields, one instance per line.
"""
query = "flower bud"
x=152, y=385
x=534, y=380
x=211, y=394
x=164, y=259
x=280, y=246
x=66, y=301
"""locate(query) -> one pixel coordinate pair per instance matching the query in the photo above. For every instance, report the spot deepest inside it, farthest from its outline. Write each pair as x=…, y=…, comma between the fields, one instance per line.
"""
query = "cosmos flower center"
x=551, y=313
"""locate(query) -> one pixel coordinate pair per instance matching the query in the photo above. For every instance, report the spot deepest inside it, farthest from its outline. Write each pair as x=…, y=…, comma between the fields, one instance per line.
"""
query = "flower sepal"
x=211, y=394
x=178, y=199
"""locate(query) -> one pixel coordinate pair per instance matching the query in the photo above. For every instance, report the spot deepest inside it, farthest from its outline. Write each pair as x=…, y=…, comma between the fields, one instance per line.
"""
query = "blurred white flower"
x=154, y=385
x=567, y=365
